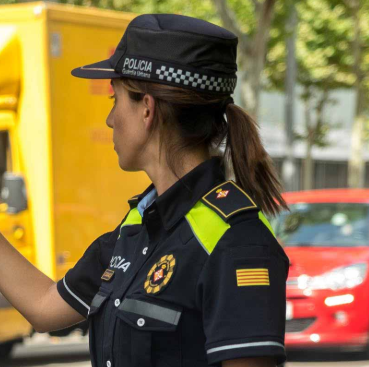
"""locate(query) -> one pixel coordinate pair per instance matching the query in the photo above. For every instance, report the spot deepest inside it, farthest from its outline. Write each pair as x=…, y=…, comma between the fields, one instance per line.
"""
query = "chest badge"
x=108, y=275
x=160, y=274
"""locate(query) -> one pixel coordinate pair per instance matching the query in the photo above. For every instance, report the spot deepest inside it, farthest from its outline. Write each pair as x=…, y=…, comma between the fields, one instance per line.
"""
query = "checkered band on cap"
x=196, y=80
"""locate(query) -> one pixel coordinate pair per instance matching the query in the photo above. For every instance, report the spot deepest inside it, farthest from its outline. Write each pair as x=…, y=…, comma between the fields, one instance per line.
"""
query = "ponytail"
x=253, y=168
x=198, y=119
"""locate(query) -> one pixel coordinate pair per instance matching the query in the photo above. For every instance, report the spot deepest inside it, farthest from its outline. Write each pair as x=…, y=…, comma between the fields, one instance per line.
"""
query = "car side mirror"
x=13, y=192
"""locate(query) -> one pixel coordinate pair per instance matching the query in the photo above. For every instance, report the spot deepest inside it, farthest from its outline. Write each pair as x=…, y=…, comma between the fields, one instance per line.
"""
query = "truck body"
x=53, y=134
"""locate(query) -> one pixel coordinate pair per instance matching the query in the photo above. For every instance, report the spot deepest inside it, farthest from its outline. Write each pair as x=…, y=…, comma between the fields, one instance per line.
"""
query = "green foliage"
x=323, y=47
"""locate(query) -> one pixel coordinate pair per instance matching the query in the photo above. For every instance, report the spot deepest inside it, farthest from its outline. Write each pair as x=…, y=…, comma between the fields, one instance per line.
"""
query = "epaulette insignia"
x=228, y=199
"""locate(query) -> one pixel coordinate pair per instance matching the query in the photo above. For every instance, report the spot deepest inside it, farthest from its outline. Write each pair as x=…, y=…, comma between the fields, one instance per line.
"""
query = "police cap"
x=172, y=49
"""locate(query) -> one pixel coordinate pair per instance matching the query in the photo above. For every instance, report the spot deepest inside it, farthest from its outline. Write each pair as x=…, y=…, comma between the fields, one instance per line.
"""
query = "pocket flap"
x=145, y=315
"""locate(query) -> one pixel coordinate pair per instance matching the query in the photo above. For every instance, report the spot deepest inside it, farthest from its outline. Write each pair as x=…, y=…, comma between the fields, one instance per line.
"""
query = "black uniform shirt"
x=199, y=279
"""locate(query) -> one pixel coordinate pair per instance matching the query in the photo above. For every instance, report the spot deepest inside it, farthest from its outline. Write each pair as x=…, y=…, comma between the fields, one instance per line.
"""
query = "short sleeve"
x=242, y=293
x=82, y=282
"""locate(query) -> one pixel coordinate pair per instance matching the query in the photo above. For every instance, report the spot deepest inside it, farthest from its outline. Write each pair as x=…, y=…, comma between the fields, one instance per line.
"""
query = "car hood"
x=318, y=260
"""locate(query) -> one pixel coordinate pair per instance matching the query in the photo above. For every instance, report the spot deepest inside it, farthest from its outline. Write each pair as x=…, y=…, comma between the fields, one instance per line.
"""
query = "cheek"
x=126, y=131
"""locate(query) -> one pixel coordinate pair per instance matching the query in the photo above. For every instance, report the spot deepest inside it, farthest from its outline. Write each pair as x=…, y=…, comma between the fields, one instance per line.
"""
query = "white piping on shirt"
x=244, y=345
x=75, y=296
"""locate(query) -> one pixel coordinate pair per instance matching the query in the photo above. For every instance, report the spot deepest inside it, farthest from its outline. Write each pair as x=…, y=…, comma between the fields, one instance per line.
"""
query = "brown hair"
x=180, y=110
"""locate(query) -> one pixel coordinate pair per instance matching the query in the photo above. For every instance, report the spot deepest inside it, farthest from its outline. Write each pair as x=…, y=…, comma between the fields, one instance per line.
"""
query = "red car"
x=326, y=237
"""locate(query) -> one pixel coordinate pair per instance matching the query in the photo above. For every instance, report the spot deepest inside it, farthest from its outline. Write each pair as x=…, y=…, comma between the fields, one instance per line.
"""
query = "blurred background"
x=303, y=75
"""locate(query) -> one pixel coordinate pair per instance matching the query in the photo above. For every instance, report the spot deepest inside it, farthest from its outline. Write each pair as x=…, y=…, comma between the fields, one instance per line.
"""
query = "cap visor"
x=98, y=70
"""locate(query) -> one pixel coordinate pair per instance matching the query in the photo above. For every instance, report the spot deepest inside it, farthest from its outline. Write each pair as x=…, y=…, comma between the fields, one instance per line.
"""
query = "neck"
x=161, y=175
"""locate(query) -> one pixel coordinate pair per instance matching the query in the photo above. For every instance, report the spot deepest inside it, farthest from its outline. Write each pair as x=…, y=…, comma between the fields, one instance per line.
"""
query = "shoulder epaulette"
x=228, y=199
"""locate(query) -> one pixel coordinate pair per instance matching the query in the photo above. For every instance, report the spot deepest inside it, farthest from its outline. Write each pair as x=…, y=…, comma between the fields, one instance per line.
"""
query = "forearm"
x=22, y=284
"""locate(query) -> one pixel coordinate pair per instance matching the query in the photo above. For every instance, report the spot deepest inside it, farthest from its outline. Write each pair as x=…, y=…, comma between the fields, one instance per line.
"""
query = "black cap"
x=172, y=49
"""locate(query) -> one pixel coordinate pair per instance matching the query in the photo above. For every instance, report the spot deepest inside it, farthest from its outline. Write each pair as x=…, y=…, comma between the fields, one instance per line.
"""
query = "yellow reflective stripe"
x=134, y=217
x=266, y=222
x=207, y=226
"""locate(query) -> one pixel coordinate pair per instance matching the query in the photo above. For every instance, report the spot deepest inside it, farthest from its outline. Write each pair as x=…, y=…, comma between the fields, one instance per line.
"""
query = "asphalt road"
x=43, y=351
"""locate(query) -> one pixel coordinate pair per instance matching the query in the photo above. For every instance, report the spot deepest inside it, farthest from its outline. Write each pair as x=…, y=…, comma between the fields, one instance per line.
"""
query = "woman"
x=193, y=275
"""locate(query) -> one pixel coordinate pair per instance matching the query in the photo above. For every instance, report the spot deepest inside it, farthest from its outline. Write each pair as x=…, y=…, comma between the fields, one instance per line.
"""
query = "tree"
x=324, y=64
x=358, y=10
x=252, y=45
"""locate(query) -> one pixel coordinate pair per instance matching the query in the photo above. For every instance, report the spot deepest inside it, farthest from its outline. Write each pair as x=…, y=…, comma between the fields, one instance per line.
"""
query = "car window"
x=323, y=224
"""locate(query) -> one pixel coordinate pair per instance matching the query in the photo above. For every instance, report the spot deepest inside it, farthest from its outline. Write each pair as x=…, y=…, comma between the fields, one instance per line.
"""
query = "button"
x=140, y=322
x=117, y=302
x=145, y=250
x=108, y=364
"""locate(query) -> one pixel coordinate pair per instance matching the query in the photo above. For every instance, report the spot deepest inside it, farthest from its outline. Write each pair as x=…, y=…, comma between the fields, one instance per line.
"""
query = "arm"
x=242, y=294
x=250, y=362
x=33, y=293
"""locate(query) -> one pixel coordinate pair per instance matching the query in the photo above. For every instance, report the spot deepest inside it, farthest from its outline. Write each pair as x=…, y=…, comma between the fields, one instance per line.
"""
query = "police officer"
x=193, y=275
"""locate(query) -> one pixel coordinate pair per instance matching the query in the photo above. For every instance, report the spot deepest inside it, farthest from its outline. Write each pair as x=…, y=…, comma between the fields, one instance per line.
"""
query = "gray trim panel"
x=150, y=310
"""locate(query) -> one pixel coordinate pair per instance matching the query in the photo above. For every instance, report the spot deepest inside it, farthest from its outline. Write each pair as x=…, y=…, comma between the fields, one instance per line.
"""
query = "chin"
x=128, y=166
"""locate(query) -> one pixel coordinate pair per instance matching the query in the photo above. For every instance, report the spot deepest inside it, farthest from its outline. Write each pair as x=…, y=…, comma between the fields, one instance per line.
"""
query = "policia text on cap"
x=193, y=275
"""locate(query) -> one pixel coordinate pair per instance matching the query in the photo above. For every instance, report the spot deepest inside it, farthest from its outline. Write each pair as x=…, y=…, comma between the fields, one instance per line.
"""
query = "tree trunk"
x=356, y=166
x=252, y=50
x=308, y=167
x=250, y=92
x=308, y=162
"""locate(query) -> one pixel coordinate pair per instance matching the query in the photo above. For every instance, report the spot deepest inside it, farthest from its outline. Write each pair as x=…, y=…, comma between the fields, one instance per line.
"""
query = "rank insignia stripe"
x=252, y=277
x=228, y=199
x=108, y=275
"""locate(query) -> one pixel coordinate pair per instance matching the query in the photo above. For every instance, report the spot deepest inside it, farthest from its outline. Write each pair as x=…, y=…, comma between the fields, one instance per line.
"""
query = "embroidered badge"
x=233, y=200
x=249, y=277
x=108, y=275
x=222, y=193
x=160, y=274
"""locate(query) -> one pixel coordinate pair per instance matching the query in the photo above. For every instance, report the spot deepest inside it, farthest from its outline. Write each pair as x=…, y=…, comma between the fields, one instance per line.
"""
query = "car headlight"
x=339, y=278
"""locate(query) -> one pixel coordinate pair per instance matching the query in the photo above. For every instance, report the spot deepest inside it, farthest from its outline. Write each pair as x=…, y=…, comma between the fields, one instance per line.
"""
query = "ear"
x=148, y=110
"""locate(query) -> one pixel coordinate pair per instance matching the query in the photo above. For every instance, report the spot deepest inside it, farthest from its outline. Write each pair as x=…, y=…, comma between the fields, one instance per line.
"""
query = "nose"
x=109, y=120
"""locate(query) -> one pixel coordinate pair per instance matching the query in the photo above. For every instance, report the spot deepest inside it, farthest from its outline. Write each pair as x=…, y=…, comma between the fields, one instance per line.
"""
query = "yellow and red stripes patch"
x=249, y=277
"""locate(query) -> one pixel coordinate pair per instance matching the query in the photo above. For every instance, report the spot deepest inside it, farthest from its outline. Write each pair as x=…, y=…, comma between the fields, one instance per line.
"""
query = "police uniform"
x=194, y=276
x=198, y=278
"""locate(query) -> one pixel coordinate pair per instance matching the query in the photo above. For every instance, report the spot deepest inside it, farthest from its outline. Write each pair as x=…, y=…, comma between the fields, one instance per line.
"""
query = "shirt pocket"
x=146, y=332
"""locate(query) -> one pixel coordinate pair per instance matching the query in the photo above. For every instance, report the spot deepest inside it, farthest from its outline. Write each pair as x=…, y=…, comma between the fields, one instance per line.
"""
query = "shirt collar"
x=177, y=201
x=146, y=201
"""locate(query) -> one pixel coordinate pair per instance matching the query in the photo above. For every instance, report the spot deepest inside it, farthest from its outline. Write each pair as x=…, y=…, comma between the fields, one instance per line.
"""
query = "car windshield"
x=323, y=224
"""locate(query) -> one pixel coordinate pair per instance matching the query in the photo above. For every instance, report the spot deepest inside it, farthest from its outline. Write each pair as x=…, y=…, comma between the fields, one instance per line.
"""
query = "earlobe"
x=148, y=111
x=147, y=118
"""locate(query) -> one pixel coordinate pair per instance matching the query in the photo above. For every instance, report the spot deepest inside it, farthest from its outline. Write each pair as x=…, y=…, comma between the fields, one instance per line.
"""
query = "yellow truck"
x=61, y=186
